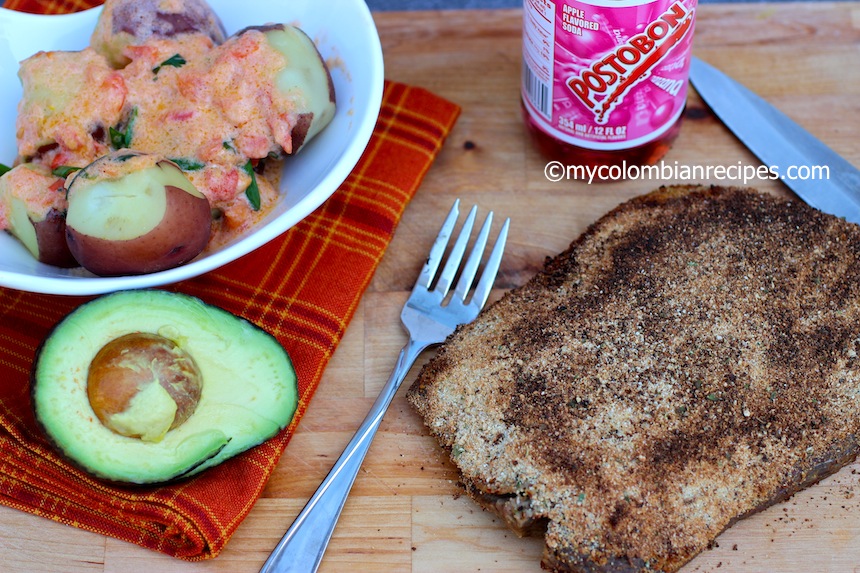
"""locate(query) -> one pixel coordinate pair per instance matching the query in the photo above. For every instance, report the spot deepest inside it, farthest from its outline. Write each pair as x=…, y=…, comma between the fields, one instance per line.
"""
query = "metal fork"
x=428, y=318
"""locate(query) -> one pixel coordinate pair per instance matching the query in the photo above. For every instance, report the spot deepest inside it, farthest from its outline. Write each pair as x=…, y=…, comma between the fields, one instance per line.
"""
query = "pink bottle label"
x=606, y=74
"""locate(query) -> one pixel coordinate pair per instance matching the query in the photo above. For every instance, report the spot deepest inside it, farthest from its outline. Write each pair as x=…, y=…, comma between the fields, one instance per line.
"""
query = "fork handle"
x=302, y=547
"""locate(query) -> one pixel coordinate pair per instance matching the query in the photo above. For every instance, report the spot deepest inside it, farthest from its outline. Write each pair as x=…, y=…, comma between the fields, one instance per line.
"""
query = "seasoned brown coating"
x=690, y=359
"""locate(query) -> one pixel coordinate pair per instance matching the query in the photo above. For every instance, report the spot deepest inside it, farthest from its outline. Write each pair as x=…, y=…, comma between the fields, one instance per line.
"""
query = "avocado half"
x=249, y=389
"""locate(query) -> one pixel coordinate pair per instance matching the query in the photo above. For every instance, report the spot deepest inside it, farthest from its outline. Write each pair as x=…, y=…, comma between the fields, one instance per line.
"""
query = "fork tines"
x=469, y=270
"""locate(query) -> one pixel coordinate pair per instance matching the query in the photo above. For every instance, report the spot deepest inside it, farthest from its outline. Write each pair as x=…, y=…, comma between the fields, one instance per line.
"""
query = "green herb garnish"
x=253, y=191
x=4, y=169
x=64, y=170
x=117, y=138
x=122, y=139
x=175, y=61
x=187, y=164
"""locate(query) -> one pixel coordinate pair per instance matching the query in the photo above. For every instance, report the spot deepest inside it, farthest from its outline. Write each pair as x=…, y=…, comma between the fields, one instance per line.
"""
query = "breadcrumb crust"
x=692, y=358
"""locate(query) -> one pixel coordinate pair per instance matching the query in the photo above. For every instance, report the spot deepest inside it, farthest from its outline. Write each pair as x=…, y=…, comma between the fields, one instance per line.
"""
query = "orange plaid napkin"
x=302, y=287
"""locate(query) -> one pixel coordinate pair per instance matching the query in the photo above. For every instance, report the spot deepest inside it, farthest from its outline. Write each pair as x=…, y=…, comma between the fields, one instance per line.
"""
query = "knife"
x=780, y=142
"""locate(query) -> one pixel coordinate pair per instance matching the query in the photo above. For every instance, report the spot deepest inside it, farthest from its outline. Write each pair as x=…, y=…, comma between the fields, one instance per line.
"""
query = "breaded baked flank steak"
x=692, y=358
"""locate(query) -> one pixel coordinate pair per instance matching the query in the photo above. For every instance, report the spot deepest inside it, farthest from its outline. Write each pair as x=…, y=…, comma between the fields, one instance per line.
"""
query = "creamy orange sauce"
x=214, y=109
x=69, y=97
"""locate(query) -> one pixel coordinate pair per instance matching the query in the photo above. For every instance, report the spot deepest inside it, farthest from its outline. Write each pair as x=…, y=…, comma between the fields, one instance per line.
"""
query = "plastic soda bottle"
x=605, y=81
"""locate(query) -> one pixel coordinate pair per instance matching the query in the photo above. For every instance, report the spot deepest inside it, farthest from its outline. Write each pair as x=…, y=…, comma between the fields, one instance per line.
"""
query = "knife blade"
x=778, y=141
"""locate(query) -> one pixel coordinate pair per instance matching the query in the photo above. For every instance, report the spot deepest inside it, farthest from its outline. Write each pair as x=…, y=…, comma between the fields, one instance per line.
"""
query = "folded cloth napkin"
x=302, y=287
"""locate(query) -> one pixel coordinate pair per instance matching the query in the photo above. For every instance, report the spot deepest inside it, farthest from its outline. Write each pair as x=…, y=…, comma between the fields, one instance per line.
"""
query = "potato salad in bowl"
x=154, y=140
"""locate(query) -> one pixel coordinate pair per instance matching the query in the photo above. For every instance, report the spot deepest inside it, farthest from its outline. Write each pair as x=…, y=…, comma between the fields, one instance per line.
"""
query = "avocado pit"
x=141, y=385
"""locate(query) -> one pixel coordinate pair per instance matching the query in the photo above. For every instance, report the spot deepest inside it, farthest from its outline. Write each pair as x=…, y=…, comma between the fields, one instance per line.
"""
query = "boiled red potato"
x=125, y=23
x=32, y=208
x=68, y=103
x=134, y=213
x=271, y=80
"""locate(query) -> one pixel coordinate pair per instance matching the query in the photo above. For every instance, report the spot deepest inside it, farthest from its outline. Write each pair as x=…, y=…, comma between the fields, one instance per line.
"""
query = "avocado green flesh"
x=249, y=386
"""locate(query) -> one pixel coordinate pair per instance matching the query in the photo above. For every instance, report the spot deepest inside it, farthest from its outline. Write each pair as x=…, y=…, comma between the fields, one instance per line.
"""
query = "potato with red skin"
x=304, y=80
x=69, y=99
x=267, y=80
x=32, y=209
x=142, y=385
x=129, y=23
x=133, y=213
x=51, y=242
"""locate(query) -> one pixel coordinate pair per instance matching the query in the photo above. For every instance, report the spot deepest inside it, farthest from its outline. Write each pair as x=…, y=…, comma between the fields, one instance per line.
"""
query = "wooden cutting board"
x=406, y=512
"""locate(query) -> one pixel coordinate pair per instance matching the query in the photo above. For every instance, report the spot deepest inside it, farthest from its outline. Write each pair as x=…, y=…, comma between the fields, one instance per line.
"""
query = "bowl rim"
x=362, y=130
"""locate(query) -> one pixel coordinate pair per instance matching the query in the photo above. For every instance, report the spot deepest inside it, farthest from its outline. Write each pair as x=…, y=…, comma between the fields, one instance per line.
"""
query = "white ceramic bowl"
x=347, y=38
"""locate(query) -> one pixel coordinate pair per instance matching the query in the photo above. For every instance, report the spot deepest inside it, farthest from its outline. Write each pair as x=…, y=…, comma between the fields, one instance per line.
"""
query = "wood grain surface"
x=406, y=512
